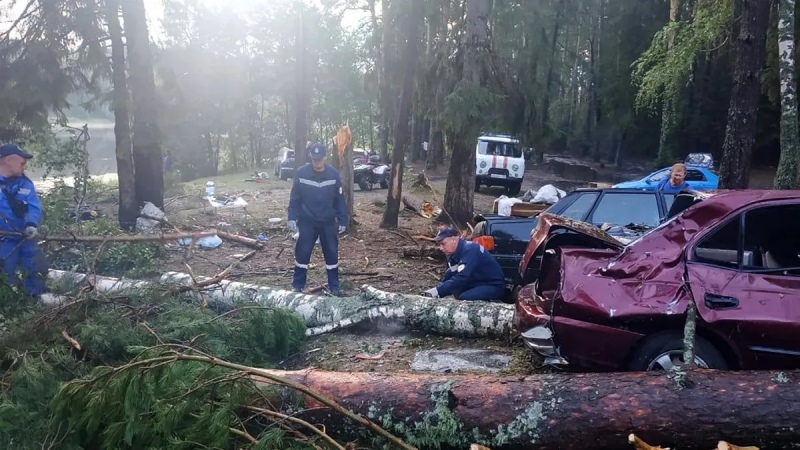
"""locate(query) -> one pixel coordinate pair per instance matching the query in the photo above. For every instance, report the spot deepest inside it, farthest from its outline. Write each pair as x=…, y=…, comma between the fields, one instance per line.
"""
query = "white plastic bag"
x=548, y=194
x=504, y=205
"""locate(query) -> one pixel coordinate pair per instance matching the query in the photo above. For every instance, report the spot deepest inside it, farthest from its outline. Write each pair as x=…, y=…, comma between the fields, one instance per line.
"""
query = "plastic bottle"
x=209, y=189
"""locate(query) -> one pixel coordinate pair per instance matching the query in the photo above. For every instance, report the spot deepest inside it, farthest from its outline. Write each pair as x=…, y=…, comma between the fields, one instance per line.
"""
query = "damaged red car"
x=601, y=305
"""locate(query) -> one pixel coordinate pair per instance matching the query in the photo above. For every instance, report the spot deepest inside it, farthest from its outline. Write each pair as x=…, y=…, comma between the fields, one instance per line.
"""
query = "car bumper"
x=581, y=344
x=487, y=180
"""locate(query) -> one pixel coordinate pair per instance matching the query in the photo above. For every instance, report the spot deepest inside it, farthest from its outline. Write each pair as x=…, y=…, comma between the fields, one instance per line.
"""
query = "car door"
x=747, y=297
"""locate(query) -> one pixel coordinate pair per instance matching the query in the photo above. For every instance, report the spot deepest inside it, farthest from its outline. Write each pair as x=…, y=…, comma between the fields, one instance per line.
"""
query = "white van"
x=499, y=162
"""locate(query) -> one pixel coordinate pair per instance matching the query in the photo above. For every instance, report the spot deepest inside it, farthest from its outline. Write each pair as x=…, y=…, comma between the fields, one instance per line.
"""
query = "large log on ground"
x=323, y=314
x=565, y=411
x=423, y=252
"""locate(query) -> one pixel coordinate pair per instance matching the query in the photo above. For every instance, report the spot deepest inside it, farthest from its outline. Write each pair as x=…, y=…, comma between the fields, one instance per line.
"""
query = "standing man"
x=20, y=213
x=472, y=272
x=676, y=181
x=315, y=205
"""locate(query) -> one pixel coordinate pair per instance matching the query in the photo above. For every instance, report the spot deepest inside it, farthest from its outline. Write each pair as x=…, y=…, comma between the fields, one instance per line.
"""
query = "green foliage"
x=171, y=406
x=467, y=106
x=663, y=69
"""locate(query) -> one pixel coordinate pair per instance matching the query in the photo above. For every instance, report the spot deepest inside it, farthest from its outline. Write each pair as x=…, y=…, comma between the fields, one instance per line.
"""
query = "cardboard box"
x=523, y=209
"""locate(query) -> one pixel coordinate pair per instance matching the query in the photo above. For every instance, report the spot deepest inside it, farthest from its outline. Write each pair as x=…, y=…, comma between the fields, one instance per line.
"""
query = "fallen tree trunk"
x=446, y=317
x=423, y=252
x=563, y=411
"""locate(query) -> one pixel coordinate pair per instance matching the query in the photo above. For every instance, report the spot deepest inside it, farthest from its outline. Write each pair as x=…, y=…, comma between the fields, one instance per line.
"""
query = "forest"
x=200, y=90
x=222, y=89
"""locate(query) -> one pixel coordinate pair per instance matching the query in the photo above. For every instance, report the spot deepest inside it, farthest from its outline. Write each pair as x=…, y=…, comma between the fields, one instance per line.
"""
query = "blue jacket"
x=19, y=204
x=470, y=266
x=664, y=186
x=317, y=197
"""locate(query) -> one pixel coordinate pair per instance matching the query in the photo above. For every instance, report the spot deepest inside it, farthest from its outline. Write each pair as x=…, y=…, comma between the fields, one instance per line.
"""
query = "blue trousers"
x=329, y=239
x=486, y=292
x=24, y=256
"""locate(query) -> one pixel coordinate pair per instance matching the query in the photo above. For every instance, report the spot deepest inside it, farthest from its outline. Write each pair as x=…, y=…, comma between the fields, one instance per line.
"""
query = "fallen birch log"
x=123, y=238
x=244, y=240
x=323, y=314
x=563, y=411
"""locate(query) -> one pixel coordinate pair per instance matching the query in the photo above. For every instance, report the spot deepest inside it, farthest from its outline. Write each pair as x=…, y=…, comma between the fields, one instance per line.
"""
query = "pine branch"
x=172, y=356
x=302, y=422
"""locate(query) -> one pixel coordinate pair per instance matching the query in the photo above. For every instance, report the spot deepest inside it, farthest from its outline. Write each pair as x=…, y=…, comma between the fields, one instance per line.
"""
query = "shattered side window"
x=581, y=207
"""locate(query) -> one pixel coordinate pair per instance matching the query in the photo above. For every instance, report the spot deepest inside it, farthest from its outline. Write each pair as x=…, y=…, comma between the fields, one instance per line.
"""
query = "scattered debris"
x=368, y=357
x=470, y=360
x=150, y=217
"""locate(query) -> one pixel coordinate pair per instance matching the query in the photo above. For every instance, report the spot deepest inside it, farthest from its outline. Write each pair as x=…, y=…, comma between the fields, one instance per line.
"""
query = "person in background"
x=316, y=203
x=676, y=181
x=20, y=215
x=472, y=272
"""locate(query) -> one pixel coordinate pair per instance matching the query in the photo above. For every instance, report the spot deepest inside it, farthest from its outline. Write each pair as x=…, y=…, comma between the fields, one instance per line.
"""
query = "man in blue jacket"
x=20, y=214
x=315, y=205
x=472, y=272
x=676, y=181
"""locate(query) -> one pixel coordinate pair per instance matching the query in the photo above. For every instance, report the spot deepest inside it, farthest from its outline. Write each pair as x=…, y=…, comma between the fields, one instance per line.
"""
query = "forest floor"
x=367, y=255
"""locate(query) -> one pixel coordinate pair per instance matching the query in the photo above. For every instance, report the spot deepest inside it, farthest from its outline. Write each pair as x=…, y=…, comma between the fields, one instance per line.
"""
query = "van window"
x=492, y=148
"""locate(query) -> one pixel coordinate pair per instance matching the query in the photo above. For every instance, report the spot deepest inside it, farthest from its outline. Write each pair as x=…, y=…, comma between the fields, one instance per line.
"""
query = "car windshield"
x=660, y=175
x=494, y=148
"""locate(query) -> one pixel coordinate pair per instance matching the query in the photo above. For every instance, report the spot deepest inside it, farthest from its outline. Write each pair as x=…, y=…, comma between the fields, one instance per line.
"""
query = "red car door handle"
x=713, y=301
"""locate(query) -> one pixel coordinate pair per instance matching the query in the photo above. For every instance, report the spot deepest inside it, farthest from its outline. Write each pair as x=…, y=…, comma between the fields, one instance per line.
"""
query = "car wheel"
x=513, y=190
x=664, y=351
x=385, y=182
x=283, y=176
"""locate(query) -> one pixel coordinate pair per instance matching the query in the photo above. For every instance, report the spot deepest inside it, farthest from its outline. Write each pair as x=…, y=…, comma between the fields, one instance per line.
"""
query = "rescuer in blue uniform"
x=472, y=272
x=316, y=204
x=20, y=215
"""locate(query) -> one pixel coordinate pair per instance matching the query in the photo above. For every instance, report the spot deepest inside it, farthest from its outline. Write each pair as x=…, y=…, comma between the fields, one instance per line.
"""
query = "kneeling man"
x=472, y=272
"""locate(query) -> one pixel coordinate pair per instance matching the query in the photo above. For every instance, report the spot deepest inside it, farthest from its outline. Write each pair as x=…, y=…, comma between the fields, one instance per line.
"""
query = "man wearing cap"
x=20, y=214
x=316, y=204
x=472, y=272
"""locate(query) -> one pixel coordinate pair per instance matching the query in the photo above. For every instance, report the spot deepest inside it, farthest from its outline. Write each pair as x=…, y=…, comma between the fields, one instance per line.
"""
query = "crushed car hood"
x=549, y=223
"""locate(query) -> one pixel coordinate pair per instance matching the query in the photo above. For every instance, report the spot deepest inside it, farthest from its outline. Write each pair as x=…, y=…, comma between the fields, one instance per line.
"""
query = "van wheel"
x=385, y=182
x=513, y=190
x=663, y=351
x=364, y=186
x=477, y=186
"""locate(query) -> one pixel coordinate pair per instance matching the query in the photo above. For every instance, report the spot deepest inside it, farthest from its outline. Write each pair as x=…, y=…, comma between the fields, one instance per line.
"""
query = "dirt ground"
x=368, y=255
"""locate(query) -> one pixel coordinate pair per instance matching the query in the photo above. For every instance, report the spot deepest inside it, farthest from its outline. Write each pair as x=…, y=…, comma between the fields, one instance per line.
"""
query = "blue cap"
x=12, y=149
x=317, y=151
x=445, y=233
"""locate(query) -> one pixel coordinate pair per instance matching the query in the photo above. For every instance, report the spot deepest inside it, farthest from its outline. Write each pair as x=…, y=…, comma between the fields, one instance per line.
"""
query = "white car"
x=499, y=162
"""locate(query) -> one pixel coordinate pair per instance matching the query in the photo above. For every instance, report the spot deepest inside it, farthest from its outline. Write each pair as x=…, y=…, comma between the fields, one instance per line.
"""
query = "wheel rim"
x=668, y=360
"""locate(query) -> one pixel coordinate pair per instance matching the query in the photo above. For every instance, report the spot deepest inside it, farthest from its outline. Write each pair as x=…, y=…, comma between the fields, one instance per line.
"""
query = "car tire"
x=385, y=182
x=513, y=190
x=662, y=350
x=283, y=176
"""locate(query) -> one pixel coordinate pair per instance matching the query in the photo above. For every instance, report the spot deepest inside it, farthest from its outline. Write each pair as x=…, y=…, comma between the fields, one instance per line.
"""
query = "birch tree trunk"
x=301, y=95
x=445, y=317
x=787, y=174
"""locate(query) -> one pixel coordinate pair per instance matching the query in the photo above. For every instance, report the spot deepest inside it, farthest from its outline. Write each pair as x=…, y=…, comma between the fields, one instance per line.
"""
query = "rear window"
x=626, y=209
x=580, y=208
x=513, y=230
x=492, y=148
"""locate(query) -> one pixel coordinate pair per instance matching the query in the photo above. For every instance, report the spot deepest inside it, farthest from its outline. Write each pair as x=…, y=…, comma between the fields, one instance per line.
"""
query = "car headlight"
x=483, y=164
x=515, y=167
